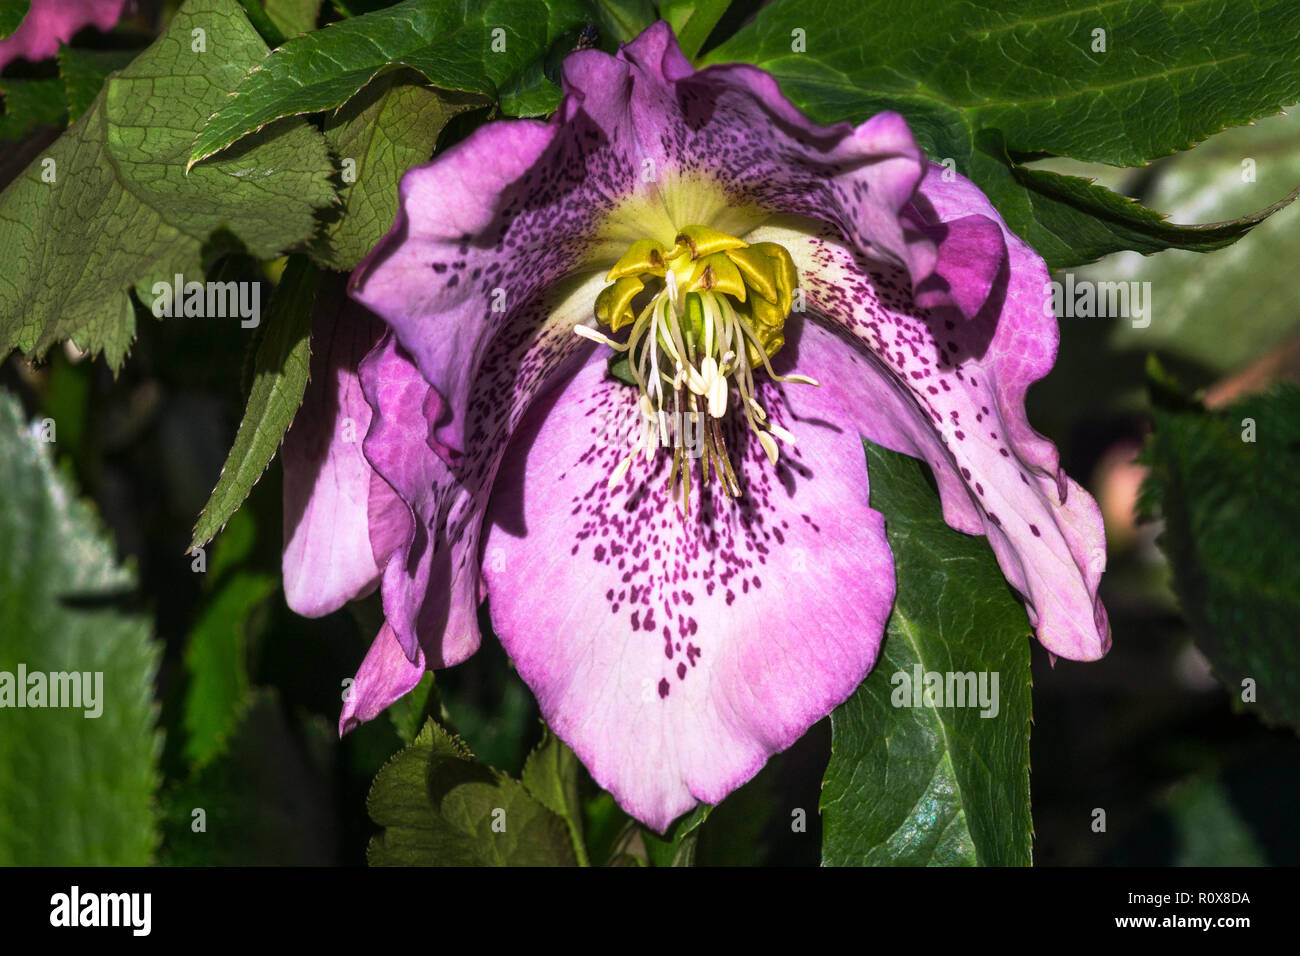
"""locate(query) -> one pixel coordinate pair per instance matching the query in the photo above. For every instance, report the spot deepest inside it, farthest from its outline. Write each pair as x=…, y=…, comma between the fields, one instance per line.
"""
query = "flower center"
x=704, y=316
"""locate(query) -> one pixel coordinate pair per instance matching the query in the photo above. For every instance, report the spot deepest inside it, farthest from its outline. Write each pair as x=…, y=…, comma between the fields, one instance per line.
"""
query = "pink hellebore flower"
x=688, y=604
x=51, y=22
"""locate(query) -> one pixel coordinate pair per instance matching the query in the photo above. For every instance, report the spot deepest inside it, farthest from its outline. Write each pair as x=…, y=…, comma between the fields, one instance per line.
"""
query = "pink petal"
x=481, y=233
x=385, y=675
x=432, y=588
x=675, y=657
x=332, y=498
x=972, y=256
x=51, y=22
x=426, y=600
x=952, y=392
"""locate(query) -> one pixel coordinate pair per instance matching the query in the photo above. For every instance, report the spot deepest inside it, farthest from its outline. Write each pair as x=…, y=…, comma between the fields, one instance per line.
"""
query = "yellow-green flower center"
x=704, y=316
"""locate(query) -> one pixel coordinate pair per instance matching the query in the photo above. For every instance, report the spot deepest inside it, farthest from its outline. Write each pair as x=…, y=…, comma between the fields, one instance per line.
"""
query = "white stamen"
x=619, y=471
x=798, y=379
x=670, y=279
x=781, y=433
x=586, y=332
x=718, y=396
x=673, y=355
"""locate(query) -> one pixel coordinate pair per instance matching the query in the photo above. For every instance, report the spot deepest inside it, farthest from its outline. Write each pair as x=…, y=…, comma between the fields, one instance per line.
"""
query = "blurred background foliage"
x=247, y=694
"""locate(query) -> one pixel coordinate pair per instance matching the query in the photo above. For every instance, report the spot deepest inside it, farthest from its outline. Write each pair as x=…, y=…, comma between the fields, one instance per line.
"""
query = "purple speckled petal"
x=641, y=146
x=952, y=392
x=432, y=587
x=338, y=514
x=731, y=125
x=384, y=676
x=675, y=657
x=482, y=234
x=1051, y=551
x=51, y=22
x=972, y=252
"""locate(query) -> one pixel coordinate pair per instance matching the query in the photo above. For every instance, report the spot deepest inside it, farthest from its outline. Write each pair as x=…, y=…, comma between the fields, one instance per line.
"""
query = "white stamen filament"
x=694, y=366
x=586, y=332
x=670, y=280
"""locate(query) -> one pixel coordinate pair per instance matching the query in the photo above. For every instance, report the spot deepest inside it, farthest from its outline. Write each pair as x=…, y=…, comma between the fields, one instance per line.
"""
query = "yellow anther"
x=759, y=270
x=787, y=276
x=701, y=241
x=767, y=322
x=717, y=273
x=614, y=303
x=644, y=256
x=769, y=271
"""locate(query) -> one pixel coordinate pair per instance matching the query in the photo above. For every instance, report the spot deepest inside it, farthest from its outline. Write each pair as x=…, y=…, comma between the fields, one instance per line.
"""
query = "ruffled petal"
x=332, y=498
x=972, y=253
x=951, y=392
x=432, y=588
x=675, y=657
x=417, y=586
x=730, y=125
x=384, y=676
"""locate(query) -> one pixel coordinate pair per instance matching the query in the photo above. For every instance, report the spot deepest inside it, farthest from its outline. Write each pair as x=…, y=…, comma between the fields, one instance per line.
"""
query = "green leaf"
x=552, y=775
x=608, y=831
x=1223, y=311
x=217, y=666
x=1208, y=829
x=451, y=43
x=981, y=84
x=620, y=21
x=31, y=103
x=693, y=21
x=261, y=21
x=1226, y=484
x=677, y=846
x=84, y=73
x=354, y=8
x=1070, y=220
x=75, y=789
x=499, y=714
x=267, y=801
x=440, y=807
x=380, y=134
x=410, y=711
x=1171, y=74
x=11, y=15
x=280, y=373
x=1225, y=815
x=109, y=206
x=929, y=784
x=292, y=17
